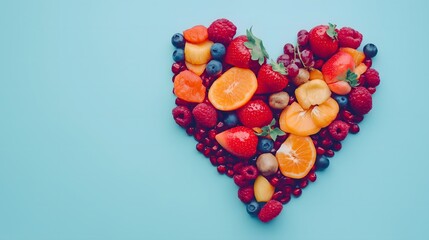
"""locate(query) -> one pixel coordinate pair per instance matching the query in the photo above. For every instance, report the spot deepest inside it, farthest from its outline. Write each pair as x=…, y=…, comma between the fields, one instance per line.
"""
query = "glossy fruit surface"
x=233, y=89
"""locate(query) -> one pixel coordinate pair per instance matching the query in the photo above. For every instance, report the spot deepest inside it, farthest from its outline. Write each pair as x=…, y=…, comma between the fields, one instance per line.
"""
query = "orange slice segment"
x=296, y=156
x=233, y=89
x=294, y=119
x=189, y=87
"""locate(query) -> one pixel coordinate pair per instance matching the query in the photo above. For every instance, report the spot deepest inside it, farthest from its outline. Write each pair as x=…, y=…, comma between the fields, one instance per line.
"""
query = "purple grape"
x=302, y=32
x=289, y=49
x=285, y=59
x=292, y=70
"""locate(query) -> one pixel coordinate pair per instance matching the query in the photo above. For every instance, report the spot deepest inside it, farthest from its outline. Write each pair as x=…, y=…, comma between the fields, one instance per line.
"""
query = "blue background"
x=89, y=150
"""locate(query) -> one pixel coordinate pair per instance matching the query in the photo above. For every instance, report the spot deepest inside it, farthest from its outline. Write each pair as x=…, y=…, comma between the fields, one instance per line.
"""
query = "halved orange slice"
x=296, y=156
x=233, y=89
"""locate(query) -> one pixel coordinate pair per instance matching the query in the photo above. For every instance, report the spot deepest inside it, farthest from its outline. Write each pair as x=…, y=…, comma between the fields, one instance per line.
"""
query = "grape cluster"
x=299, y=56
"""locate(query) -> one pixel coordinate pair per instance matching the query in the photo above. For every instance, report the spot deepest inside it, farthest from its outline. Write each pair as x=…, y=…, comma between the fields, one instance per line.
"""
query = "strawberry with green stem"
x=323, y=40
x=246, y=52
x=338, y=72
x=272, y=78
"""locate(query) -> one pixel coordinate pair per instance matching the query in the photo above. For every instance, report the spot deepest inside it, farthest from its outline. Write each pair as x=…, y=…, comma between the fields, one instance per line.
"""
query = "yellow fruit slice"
x=312, y=93
x=197, y=69
x=198, y=53
x=296, y=156
x=323, y=114
x=263, y=189
x=233, y=89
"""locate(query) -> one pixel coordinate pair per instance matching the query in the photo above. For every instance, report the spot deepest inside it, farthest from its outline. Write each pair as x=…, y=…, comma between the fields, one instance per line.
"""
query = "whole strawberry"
x=272, y=78
x=246, y=52
x=360, y=100
x=323, y=40
x=255, y=113
x=270, y=210
x=239, y=141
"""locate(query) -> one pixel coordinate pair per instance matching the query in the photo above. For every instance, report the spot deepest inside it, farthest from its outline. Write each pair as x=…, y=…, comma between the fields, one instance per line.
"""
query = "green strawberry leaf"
x=331, y=31
x=278, y=67
x=268, y=130
x=272, y=122
x=256, y=47
x=351, y=78
x=275, y=133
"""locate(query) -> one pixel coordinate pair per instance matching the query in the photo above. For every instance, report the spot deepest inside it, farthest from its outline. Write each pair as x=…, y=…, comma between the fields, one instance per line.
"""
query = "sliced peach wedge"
x=314, y=110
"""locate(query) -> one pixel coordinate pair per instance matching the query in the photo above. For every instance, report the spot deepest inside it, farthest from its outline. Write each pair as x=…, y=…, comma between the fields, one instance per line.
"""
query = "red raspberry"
x=348, y=37
x=270, y=210
x=222, y=31
x=240, y=180
x=372, y=77
x=360, y=100
x=205, y=115
x=249, y=172
x=338, y=130
x=246, y=194
x=182, y=115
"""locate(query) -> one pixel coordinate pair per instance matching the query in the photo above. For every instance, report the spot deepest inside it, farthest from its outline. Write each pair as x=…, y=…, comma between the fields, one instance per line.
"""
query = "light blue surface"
x=89, y=150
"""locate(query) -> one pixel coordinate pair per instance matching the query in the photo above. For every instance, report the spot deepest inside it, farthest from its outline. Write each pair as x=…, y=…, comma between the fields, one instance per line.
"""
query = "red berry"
x=246, y=194
x=270, y=210
x=205, y=115
x=312, y=176
x=372, y=90
x=222, y=31
x=329, y=153
x=338, y=130
x=297, y=192
x=337, y=146
x=255, y=113
x=348, y=37
x=320, y=151
x=360, y=100
x=323, y=40
x=240, y=180
x=372, y=77
x=354, y=128
x=249, y=172
x=368, y=62
x=221, y=169
x=182, y=115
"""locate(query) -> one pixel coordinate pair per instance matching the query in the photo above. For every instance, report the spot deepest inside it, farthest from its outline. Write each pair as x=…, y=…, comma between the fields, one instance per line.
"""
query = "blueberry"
x=370, y=50
x=217, y=51
x=231, y=119
x=265, y=145
x=213, y=68
x=253, y=208
x=322, y=163
x=178, y=55
x=341, y=100
x=178, y=40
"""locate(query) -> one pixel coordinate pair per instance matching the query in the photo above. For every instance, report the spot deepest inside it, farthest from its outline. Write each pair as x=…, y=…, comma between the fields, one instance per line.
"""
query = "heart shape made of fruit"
x=270, y=125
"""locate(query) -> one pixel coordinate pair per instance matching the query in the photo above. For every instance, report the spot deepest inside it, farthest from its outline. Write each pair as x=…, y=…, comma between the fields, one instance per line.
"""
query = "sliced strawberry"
x=239, y=141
